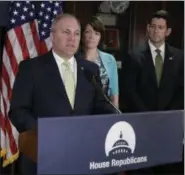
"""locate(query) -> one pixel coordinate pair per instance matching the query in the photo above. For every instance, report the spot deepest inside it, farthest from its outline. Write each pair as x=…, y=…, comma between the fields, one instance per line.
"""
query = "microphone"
x=93, y=79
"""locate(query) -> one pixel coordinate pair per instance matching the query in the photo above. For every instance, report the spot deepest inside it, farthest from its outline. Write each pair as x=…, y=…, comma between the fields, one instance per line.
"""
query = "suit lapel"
x=79, y=81
x=167, y=68
x=55, y=79
x=149, y=64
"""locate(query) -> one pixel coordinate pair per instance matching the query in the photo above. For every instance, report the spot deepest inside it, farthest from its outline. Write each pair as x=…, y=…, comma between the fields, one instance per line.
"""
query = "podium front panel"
x=109, y=143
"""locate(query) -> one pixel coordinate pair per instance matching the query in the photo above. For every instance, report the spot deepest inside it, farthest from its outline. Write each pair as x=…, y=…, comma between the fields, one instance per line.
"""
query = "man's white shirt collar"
x=59, y=60
x=73, y=65
x=154, y=53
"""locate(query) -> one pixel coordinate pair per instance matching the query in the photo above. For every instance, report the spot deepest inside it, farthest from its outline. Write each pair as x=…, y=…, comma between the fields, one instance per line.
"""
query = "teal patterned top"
x=103, y=75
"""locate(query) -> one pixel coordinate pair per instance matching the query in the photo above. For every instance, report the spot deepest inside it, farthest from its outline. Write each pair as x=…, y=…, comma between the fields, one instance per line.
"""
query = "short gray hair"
x=62, y=16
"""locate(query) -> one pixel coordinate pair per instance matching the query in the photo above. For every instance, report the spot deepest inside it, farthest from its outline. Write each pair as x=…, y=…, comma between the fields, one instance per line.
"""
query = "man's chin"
x=71, y=50
x=156, y=41
x=71, y=54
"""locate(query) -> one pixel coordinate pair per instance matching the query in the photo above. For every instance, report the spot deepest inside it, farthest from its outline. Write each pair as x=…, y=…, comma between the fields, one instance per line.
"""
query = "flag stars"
x=18, y=4
x=25, y=9
x=42, y=5
x=56, y=4
x=55, y=12
x=15, y=12
x=13, y=21
x=46, y=17
x=40, y=13
x=23, y=17
x=31, y=14
x=45, y=25
x=25, y=12
x=43, y=33
x=48, y=9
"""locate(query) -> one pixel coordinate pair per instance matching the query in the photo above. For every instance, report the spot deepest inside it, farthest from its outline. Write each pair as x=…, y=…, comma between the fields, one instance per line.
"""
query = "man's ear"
x=168, y=31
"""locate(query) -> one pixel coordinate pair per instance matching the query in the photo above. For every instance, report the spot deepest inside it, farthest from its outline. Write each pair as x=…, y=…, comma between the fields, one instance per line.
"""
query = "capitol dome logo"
x=120, y=140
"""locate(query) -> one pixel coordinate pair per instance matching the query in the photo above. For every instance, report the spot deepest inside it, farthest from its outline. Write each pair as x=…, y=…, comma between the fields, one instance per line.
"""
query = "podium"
x=104, y=144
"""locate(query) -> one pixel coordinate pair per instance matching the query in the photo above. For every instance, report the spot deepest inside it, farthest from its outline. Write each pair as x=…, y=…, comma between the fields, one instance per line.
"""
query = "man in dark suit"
x=153, y=76
x=55, y=84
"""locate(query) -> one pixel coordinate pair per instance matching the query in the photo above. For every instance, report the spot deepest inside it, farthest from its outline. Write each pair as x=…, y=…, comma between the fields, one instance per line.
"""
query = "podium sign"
x=109, y=143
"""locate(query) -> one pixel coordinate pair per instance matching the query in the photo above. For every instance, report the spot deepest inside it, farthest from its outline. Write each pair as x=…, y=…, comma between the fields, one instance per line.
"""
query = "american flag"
x=28, y=35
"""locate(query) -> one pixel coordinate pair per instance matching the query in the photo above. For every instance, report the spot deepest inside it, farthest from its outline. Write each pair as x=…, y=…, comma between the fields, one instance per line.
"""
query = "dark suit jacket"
x=139, y=84
x=39, y=92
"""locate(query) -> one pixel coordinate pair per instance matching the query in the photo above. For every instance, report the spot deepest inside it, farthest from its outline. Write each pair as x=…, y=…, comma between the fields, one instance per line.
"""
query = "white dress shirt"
x=73, y=65
x=154, y=53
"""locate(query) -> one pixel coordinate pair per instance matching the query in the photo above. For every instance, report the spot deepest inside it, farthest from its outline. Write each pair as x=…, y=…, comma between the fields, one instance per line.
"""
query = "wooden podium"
x=28, y=144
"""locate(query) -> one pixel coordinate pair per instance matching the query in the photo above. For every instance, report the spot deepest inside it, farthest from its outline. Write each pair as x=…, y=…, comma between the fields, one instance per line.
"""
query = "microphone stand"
x=99, y=89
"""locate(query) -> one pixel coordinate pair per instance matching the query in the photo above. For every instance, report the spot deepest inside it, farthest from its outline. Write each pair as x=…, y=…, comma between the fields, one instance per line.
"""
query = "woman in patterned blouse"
x=91, y=39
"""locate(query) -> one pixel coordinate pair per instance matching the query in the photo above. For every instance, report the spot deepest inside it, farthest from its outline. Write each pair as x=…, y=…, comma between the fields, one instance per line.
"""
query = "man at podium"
x=56, y=84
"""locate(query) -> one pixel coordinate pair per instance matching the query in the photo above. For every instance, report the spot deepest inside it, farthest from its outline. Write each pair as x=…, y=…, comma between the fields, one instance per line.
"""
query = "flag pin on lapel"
x=171, y=58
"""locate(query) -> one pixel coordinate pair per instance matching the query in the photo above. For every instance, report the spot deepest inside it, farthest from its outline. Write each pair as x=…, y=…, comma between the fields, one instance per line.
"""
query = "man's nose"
x=72, y=36
x=92, y=36
x=156, y=29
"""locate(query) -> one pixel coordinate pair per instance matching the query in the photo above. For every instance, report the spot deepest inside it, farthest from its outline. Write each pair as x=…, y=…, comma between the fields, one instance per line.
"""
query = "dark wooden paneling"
x=123, y=24
x=132, y=23
x=142, y=10
x=82, y=9
x=176, y=10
